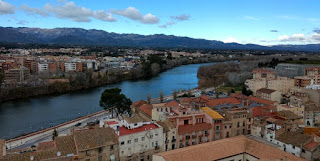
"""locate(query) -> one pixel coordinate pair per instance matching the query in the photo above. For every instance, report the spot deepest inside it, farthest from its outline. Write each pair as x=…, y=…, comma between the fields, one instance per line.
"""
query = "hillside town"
x=279, y=121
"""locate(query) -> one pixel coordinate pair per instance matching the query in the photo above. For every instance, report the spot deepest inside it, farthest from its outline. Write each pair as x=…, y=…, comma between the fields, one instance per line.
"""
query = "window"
x=111, y=147
x=136, y=140
x=87, y=152
x=148, y=157
x=87, y=159
x=129, y=142
x=142, y=138
x=238, y=124
x=200, y=132
x=186, y=122
x=152, y=144
x=122, y=143
x=243, y=131
x=303, y=151
x=100, y=158
x=217, y=128
x=151, y=136
x=156, y=134
x=225, y=127
x=293, y=147
x=122, y=152
x=100, y=150
x=244, y=123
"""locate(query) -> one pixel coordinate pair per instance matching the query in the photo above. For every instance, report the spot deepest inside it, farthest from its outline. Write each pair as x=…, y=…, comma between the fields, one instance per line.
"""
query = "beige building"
x=2, y=148
x=298, y=110
x=230, y=149
x=255, y=84
x=281, y=84
x=269, y=94
x=234, y=123
x=169, y=135
x=263, y=73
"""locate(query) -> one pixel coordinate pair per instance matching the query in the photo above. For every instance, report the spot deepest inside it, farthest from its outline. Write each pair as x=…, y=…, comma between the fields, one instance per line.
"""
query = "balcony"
x=194, y=136
x=173, y=140
x=187, y=137
x=157, y=147
x=167, y=141
x=207, y=134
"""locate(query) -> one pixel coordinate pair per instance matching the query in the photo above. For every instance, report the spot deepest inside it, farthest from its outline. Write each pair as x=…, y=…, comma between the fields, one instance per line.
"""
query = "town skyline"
x=263, y=22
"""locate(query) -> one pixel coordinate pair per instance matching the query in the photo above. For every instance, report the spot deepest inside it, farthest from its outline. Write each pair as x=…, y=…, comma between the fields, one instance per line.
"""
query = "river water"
x=28, y=115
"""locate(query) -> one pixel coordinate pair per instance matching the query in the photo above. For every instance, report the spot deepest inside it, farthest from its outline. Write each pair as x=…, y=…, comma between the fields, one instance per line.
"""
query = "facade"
x=312, y=115
x=216, y=120
x=281, y=84
x=2, y=148
x=298, y=110
x=230, y=149
x=314, y=74
x=138, y=141
x=255, y=84
x=264, y=74
x=269, y=94
x=169, y=135
x=17, y=75
x=235, y=123
x=302, y=81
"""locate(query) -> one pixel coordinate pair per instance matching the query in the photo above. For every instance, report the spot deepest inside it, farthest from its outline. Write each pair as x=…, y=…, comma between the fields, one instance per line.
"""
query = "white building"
x=43, y=67
x=69, y=67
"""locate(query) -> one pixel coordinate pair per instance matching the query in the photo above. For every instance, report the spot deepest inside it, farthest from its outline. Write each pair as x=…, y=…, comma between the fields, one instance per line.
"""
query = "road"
x=61, y=131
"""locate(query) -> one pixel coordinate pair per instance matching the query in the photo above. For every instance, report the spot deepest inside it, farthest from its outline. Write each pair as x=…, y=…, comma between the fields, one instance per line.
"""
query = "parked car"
x=78, y=124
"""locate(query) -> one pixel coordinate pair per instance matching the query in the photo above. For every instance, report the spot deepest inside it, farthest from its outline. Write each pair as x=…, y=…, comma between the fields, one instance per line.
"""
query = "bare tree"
x=175, y=94
x=161, y=96
x=149, y=99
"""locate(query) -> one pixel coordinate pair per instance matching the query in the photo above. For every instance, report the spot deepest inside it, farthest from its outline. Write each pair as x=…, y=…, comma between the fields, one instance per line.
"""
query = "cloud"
x=230, y=40
x=22, y=22
x=274, y=31
x=167, y=24
x=34, y=11
x=70, y=11
x=62, y=1
x=182, y=17
x=292, y=38
x=6, y=8
x=134, y=14
x=251, y=18
x=103, y=16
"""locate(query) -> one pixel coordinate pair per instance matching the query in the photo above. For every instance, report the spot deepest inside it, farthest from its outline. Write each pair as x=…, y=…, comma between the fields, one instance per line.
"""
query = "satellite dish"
x=58, y=154
x=31, y=157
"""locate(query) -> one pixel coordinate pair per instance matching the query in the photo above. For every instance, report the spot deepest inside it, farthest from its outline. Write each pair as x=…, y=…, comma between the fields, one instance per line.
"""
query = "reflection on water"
x=27, y=115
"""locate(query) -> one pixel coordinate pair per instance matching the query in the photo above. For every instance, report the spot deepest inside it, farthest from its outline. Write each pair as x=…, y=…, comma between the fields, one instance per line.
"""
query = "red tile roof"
x=146, y=108
x=221, y=101
x=311, y=145
x=48, y=145
x=125, y=131
x=260, y=100
x=172, y=103
x=239, y=96
x=190, y=128
x=139, y=103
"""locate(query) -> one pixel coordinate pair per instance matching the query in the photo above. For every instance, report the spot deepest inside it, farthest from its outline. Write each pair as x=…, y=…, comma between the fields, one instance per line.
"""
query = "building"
x=224, y=103
x=298, y=110
x=216, y=120
x=302, y=81
x=281, y=84
x=169, y=135
x=314, y=74
x=230, y=149
x=299, y=144
x=99, y=144
x=138, y=141
x=234, y=123
x=269, y=94
x=312, y=115
x=18, y=75
x=255, y=84
x=263, y=73
x=291, y=70
x=2, y=148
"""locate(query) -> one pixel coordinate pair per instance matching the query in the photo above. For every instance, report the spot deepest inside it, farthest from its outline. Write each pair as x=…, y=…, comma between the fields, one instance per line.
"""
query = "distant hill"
x=78, y=36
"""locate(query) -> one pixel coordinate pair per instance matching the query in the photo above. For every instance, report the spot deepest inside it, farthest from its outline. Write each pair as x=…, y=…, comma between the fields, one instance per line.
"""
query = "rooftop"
x=167, y=125
x=294, y=138
x=288, y=114
x=262, y=70
x=146, y=108
x=260, y=100
x=211, y=113
x=190, y=128
x=94, y=138
x=225, y=148
x=221, y=101
x=125, y=131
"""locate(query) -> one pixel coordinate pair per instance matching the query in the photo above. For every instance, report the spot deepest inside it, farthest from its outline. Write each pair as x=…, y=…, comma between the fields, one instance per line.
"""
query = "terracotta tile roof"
x=166, y=125
x=146, y=108
x=37, y=155
x=133, y=119
x=94, y=138
x=186, y=100
x=260, y=100
x=66, y=145
x=201, y=99
x=312, y=107
x=288, y=114
x=221, y=101
x=125, y=131
x=224, y=148
x=239, y=96
x=48, y=145
x=172, y=103
x=294, y=138
x=265, y=90
x=211, y=113
x=139, y=103
x=190, y=128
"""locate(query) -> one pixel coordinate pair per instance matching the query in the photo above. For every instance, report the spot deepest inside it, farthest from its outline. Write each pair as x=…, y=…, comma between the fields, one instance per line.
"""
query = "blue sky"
x=265, y=22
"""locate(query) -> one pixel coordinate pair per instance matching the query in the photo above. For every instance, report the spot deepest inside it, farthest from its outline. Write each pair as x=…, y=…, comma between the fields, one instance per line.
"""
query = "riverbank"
x=81, y=81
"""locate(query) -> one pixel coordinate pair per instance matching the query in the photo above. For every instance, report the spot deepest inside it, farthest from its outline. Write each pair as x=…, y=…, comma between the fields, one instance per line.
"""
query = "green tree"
x=112, y=99
x=54, y=134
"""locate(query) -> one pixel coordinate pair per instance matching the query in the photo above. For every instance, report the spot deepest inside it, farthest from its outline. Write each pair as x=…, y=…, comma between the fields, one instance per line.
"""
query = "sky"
x=264, y=22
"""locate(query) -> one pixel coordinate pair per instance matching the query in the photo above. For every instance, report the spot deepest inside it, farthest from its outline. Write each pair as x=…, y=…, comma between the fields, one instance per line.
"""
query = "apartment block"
x=269, y=94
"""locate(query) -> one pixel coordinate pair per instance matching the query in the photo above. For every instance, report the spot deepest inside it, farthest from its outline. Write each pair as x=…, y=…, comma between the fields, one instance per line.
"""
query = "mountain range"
x=78, y=36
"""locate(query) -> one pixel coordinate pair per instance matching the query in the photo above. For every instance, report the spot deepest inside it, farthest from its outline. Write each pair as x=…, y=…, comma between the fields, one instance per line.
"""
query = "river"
x=28, y=115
